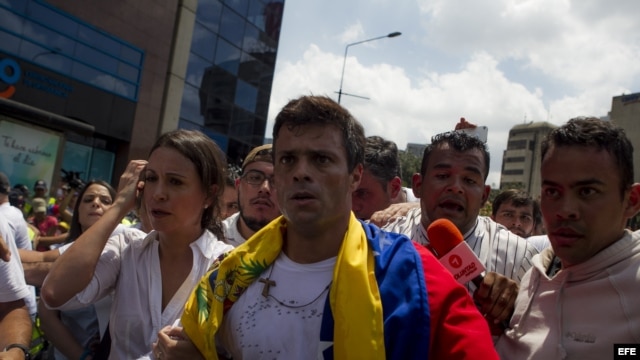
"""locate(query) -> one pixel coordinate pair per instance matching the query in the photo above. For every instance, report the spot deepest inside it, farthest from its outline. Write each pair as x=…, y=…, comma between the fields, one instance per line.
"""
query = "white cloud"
x=406, y=111
x=353, y=33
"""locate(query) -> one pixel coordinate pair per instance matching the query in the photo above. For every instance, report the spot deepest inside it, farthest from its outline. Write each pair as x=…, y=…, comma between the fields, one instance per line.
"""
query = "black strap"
x=24, y=349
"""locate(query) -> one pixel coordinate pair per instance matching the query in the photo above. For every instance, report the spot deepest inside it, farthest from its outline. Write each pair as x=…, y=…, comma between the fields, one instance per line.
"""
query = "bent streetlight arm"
x=346, y=49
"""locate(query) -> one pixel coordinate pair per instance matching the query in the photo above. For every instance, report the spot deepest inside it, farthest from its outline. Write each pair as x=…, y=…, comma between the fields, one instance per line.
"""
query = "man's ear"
x=395, y=186
x=356, y=177
x=485, y=194
x=416, y=184
x=633, y=201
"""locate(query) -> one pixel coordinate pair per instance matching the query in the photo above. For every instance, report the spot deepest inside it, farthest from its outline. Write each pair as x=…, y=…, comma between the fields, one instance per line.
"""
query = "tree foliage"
x=409, y=165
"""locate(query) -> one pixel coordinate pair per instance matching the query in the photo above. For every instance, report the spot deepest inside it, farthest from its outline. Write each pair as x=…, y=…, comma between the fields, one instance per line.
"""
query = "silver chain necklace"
x=268, y=283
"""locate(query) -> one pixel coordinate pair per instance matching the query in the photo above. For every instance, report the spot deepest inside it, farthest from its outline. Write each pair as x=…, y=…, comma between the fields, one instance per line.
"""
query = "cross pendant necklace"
x=268, y=283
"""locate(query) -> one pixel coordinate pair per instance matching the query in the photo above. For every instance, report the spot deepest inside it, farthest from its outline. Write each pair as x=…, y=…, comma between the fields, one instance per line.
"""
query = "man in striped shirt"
x=451, y=185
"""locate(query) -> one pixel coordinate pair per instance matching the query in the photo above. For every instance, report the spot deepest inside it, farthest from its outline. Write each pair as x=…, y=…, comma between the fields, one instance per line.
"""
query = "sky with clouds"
x=497, y=63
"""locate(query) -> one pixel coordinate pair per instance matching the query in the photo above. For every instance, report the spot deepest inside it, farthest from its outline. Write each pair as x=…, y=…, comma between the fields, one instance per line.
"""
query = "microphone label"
x=463, y=263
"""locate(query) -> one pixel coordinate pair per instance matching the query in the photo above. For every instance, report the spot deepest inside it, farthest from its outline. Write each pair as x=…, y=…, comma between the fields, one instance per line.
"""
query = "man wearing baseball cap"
x=40, y=189
x=46, y=224
x=256, y=197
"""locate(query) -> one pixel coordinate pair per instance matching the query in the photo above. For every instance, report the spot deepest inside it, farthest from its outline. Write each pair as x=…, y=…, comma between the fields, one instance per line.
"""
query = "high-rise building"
x=521, y=160
x=87, y=85
x=625, y=112
x=415, y=149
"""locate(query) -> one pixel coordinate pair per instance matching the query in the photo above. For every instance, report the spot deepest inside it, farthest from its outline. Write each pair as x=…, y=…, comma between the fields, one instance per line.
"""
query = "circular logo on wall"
x=9, y=75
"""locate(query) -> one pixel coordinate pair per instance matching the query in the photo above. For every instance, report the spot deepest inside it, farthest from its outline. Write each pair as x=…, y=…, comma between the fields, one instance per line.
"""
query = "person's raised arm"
x=65, y=214
x=79, y=261
x=49, y=240
x=15, y=328
x=394, y=211
x=36, y=264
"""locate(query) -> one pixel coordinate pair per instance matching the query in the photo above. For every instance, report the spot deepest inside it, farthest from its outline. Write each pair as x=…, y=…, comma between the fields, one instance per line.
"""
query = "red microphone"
x=454, y=253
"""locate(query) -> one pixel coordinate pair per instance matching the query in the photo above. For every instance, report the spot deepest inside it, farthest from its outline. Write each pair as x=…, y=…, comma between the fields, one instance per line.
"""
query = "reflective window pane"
x=77, y=158
x=99, y=41
x=256, y=14
x=246, y=96
x=242, y=125
x=52, y=18
x=262, y=103
x=190, y=108
x=203, y=42
x=218, y=116
x=219, y=85
x=131, y=55
x=196, y=69
x=54, y=41
x=273, y=19
x=232, y=27
x=96, y=58
x=208, y=14
x=251, y=42
x=101, y=165
x=128, y=72
x=93, y=76
x=11, y=22
x=19, y=6
x=240, y=6
x=227, y=56
x=124, y=88
x=250, y=69
x=53, y=61
x=9, y=43
x=259, y=127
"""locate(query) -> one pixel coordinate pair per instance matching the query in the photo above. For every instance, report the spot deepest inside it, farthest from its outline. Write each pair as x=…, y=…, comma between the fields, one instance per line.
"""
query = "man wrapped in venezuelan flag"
x=318, y=283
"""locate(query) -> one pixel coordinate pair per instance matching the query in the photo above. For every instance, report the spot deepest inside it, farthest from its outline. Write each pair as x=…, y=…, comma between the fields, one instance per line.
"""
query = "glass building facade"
x=87, y=86
x=230, y=72
x=37, y=32
x=59, y=63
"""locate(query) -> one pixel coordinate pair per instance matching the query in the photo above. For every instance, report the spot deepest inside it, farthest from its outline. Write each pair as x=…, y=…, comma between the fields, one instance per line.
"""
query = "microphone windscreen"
x=443, y=236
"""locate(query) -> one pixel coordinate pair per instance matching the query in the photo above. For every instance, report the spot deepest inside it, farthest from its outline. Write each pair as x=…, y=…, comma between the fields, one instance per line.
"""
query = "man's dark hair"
x=16, y=198
x=458, y=141
x=517, y=198
x=321, y=110
x=603, y=135
x=381, y=159
x=23, y=189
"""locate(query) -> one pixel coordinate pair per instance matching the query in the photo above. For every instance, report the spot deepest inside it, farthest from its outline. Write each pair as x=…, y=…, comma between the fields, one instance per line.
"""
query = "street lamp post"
x=344, y=62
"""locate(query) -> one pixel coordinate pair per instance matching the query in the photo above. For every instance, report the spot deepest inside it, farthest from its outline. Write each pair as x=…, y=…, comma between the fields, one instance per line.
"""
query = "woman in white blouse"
x=151, y=276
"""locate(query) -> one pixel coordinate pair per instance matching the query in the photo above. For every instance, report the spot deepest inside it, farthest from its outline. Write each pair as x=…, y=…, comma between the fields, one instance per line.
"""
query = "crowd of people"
x=312, y=248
